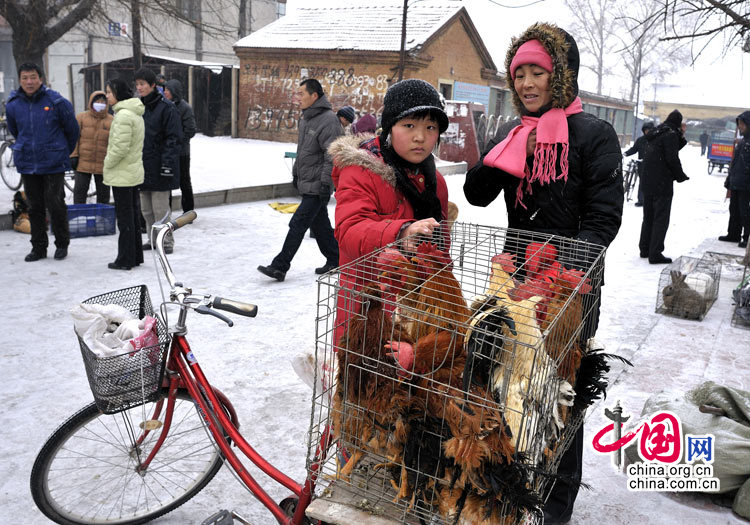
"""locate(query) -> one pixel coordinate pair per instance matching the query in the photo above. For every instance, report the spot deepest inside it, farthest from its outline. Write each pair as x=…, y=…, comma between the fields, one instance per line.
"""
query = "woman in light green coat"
x=123, y=170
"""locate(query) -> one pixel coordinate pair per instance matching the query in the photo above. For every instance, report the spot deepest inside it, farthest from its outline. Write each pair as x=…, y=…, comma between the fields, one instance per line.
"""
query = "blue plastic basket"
x=86, y=220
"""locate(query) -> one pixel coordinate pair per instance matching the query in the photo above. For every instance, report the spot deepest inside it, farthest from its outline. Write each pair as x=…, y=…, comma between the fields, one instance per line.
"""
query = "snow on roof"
x=215, y=67
x=356, y=26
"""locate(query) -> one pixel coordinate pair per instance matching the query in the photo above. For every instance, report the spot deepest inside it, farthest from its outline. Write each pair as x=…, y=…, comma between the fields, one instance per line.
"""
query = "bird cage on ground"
x=453, y=373
x=741, y=298
x=688, y=287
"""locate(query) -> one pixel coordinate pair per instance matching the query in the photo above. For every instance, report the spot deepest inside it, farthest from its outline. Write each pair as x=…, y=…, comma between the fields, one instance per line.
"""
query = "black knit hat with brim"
x=408, y=97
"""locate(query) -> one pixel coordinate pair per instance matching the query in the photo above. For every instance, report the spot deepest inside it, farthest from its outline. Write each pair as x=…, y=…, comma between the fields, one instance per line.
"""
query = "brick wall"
x=267, y=84
x=269, y=78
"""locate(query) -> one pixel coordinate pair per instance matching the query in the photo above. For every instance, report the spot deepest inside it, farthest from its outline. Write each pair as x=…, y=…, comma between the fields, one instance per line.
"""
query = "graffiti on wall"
x=271, y=88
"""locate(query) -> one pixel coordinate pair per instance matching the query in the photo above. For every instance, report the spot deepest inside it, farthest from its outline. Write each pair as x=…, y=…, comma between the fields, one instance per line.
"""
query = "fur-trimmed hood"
x=563, y=49
x=347, y=150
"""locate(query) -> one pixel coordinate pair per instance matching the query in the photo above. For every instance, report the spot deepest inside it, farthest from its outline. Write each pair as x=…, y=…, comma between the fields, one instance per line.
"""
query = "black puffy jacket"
x=588, y=206
x=162, y=144
x=739, y=169
x=661, y=160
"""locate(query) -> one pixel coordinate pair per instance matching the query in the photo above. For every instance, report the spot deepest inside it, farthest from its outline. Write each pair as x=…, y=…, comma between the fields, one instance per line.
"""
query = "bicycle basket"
x=130, y=379
x=473, y=426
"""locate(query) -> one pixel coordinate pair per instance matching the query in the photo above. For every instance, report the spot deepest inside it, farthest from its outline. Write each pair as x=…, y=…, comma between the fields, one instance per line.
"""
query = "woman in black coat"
x=661, y=166
x=560, y=170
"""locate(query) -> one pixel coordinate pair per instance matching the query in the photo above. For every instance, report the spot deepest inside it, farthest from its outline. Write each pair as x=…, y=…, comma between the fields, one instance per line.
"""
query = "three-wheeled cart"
x=719, y=154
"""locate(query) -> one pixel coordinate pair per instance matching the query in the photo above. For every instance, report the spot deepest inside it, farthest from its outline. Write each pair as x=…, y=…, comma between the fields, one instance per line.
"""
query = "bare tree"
x=643, y=52
x=706, y=19
x=593, y=26
x=37, y=24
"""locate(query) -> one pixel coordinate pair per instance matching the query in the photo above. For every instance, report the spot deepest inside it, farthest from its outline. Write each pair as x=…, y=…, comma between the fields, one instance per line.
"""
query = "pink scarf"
x=551, y=130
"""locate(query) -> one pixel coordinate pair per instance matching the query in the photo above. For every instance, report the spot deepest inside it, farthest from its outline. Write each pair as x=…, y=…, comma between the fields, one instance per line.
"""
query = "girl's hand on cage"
x=403, y=354
x=421, y=227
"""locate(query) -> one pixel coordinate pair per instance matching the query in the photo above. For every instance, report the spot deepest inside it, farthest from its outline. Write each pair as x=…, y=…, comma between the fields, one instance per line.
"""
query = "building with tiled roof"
x=354, y=51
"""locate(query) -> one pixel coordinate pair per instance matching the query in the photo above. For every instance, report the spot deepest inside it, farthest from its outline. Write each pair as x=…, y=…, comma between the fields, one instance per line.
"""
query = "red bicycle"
x=121, y=460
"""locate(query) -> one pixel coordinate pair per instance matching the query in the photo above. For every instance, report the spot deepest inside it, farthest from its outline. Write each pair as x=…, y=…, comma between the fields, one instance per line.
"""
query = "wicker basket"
x=130, y=379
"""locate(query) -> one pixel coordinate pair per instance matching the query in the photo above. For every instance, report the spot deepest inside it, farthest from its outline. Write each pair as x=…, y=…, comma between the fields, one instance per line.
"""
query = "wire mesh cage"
x=449, y=371
x=688, y=287
x=741, y=298
x=132, y=378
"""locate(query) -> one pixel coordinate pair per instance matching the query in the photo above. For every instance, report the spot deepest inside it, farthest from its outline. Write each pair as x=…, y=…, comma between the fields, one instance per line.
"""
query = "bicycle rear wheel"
x=86, y=471
x=8, y=171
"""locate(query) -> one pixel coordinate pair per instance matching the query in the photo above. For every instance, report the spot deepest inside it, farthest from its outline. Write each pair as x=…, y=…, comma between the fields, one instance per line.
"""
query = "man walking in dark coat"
x=46, y=131
x=661, y=166
x=161, y=153
x=704, y=142
x=739, y=176
x=639, y=147
x=173, y=92
x=311, y=175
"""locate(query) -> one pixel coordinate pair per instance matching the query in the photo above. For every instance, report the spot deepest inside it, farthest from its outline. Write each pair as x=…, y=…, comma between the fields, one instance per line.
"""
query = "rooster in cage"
x=372, y=404
x=428, y=295
x=507, y=355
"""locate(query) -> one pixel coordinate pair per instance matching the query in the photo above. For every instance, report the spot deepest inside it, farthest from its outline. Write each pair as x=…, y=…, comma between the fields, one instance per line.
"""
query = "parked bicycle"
x=158, y=431
x=8, y=171
x=630, y=177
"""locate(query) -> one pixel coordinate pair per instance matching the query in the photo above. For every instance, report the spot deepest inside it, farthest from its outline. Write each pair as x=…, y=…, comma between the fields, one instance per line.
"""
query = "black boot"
x=272, y=272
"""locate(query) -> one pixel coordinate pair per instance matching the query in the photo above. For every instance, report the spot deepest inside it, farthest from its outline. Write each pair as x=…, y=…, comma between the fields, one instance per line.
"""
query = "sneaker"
x=272, y=272
x=638, y=204
x=61, y=253
x=115, y=266
x=35, y=256
x=659, y=259
x=644, y=255
x=146, y=246
x=168, y=249
x=727, y=238
x=327, y=267
x=742, y=244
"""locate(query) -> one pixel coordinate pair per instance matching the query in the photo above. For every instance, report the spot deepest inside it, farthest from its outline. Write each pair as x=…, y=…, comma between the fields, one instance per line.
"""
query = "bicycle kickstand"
x=225, y=517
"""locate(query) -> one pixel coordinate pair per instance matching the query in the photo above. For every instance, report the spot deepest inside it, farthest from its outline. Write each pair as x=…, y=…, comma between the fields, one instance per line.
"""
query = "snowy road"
x=44, y=378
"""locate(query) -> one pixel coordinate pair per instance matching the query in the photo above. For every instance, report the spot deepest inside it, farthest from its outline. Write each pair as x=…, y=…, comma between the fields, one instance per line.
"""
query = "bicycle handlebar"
x=183, y=220
x=219, y=303
x=236, y=307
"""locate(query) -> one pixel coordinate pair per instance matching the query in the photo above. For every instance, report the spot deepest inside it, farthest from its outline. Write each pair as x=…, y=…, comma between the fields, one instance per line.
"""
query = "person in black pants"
x=639, y=147
x=575, y=192
x=46, y=131
x=661, y=167
x=123, y=171
x=173, y=92
x=311, y=175
x=739, y=177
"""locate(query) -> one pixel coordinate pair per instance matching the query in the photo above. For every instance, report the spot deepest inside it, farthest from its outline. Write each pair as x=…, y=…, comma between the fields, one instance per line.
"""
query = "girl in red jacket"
x=387, y=187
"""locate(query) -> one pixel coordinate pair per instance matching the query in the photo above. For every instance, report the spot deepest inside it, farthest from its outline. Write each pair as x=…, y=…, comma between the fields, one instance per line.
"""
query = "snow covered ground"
x=45, y=380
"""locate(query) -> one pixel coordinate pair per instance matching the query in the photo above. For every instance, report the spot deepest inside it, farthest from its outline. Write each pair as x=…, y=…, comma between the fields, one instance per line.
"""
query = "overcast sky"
x=714, y=80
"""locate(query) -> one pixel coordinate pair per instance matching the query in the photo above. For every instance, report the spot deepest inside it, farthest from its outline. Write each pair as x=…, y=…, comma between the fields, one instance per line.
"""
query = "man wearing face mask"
x=88, y=157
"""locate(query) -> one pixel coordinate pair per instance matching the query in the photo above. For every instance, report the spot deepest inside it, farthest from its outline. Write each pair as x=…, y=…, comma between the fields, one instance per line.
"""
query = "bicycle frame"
x=184, y=372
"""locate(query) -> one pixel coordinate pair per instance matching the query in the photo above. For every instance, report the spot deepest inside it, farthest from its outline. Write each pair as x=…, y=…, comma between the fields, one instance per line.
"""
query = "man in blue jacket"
x=46, y=131
x=161, y=153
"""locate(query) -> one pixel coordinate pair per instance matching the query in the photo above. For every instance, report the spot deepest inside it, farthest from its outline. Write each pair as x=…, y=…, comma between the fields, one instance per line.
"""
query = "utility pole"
x=135, y=32
x=401, y=57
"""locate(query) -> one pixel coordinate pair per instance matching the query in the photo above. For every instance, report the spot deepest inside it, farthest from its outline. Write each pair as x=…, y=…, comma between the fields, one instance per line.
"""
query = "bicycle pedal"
x=225, y=517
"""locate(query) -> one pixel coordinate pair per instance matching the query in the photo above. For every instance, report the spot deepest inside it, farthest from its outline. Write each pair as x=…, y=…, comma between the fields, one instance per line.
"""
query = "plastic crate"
x=87, y=220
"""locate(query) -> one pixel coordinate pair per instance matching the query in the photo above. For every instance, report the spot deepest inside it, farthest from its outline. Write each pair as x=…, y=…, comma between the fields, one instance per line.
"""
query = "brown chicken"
x=371, y=403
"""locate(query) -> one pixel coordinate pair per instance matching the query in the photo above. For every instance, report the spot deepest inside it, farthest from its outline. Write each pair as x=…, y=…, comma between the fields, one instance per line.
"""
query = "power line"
x=515, y=6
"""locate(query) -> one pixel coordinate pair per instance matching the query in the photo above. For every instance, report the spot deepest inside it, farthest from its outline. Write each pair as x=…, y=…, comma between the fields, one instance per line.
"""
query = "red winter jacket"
x=370, y=211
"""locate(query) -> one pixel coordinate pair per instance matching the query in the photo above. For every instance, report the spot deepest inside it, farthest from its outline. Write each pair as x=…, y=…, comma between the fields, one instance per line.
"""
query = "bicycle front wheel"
x=86, y=471
x=8, y=171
